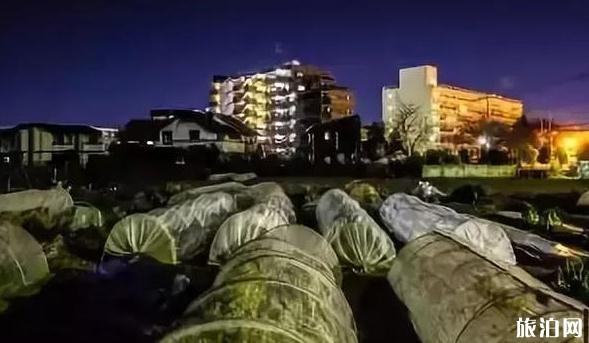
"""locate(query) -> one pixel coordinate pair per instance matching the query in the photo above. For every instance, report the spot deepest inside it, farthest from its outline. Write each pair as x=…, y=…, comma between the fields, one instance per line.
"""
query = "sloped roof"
x=55, y=128
x=148, y=129
x=143, y=130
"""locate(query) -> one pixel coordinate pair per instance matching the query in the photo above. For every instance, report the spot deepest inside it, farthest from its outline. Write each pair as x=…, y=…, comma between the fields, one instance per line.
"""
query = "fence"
x=469, y=170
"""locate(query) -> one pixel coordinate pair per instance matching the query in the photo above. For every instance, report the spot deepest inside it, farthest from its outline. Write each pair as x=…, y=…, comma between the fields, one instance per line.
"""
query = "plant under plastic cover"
x=356, y=238
x=22, y=261
x=233, y=330
x=227, y=187
x=46, y=208
x=280, y=281
x=278, y=303
x=233, y=177
x=409, y=218
x=179, y=232
x=361, y=243
x=85, y=217
x=243, y=227
x=456, y=295
x=307, y=240
x=573, y=280
x=333, y=204
x=364, y=193
x=271, y=193
x=279, y=287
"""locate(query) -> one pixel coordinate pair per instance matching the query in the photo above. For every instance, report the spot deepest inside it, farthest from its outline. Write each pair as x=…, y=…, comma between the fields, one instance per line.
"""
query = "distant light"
x=150, y=143
x=482, y=140
x=569, y=143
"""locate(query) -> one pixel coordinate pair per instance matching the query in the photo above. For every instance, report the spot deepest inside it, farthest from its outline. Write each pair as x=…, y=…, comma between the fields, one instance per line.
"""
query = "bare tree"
x=412, y=127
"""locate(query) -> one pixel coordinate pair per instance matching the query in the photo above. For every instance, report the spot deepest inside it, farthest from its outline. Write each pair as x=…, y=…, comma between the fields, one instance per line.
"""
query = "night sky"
x=103, y=62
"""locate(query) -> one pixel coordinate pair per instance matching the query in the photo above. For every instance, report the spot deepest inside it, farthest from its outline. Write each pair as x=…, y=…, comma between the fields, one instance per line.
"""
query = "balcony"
x=62, y=147
x=94, y=147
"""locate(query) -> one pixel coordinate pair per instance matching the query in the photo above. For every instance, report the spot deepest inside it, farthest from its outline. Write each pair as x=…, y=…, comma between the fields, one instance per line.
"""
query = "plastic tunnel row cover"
x=333, y=204
x=364, y=193
x=22, y=261
x=85, y=217
x=179, y=232
x=271, y=193
x=233, y=177
x=361, y=243
x=243, y=227
x=233, y=330
x=46, y=207
x=279, y=303
x=227, y=187
x=276, y=288
x=289, y=243
x=356, y=238
x=455, y=295
x=408, y=218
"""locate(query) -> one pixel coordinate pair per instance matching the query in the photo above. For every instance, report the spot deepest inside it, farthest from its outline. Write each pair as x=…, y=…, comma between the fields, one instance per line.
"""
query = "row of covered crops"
x=281, y=282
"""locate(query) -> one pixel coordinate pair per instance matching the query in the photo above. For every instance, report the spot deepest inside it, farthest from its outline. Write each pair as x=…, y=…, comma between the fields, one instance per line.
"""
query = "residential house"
x=40, y=143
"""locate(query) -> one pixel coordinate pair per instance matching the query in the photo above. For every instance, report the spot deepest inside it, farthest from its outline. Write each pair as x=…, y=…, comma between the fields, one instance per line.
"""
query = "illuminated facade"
x=281, y=103
x=447, y=109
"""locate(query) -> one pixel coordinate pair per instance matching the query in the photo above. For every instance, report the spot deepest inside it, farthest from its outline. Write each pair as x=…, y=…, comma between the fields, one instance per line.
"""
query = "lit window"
x=299, y=74
x=326, y=136
x=301, y=88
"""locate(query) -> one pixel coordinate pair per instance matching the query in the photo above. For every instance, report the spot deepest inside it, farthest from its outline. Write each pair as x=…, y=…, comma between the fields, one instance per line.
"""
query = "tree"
x=494, y=133
x=376, y=143
x=412, y=127
x=522, y=140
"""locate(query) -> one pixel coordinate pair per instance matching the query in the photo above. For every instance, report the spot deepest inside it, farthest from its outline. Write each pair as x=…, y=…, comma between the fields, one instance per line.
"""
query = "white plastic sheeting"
x=272, y=194
x=22, y=261
x=233, y=177
x=243, y=227
x=456, y=295
x=408, y=218
x=46, y=207
x=168, y=234
x=85, y=217
x=356, y=238
x=273, y=289
x=227, y=187
x=333, y=204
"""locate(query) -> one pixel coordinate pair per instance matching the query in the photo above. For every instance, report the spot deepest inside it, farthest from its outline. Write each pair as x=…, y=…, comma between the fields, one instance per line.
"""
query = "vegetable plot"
x=356, y=238
x=275, y=288
x=170, y=234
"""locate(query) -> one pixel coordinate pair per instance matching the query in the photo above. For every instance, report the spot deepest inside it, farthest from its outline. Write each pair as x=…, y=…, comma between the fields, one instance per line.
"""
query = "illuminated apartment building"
x=446, y=108
x=281, y=103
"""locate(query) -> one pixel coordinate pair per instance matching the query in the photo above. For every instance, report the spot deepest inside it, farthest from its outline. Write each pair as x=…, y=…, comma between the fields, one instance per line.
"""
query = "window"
x=167, y=137
x=326, y=135
x=194, y=135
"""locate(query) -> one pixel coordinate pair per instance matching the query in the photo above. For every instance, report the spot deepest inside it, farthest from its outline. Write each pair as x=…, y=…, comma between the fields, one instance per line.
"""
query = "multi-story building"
x=282, y=102
x=446, y=110
x=40, y=143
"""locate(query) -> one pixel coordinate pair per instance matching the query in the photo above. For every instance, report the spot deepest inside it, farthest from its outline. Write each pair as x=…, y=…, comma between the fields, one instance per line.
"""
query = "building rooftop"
x=482, y=94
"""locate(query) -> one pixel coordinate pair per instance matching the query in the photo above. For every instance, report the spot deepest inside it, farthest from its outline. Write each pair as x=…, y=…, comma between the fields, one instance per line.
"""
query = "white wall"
x=180, y=132
x=416, y=87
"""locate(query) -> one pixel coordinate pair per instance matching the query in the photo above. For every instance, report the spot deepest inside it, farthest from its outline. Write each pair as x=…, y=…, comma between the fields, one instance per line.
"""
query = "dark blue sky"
x=104, y=62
